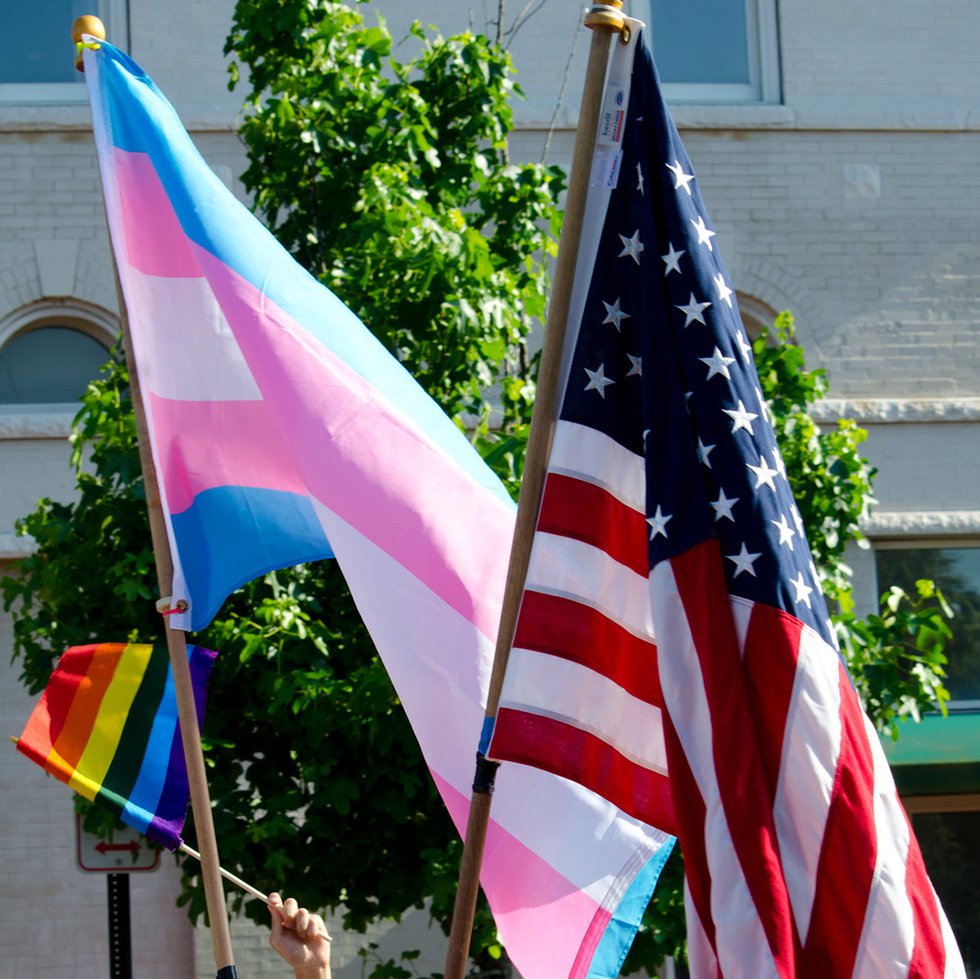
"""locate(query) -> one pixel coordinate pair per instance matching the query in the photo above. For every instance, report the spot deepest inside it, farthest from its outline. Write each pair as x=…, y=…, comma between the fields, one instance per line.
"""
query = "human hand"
x=300, y=937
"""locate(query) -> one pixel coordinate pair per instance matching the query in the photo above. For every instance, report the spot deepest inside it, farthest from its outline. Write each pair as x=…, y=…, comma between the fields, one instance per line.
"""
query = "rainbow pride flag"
x=106, y=725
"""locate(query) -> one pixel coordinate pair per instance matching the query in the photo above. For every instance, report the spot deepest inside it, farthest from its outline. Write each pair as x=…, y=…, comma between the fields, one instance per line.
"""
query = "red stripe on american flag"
x=588, y=513
x=848, y=853
x=929, y=951
x=579, y=633
x=691, y=812
x=737, y=758
x=544, y=742
x=770, y=680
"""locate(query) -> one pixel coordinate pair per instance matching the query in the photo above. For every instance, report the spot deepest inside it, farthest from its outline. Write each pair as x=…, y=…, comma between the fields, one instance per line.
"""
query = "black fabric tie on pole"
x=486, y=774
x=228, y=972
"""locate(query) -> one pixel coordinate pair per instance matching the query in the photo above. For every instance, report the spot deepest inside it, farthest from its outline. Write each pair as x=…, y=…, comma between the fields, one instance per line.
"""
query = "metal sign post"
x=127, y=853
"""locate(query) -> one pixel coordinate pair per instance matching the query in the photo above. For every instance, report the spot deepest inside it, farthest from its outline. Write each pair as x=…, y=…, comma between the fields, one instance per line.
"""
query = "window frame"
x=927, y=543
x=763, y=87
x=114, y=14
x=100, y=325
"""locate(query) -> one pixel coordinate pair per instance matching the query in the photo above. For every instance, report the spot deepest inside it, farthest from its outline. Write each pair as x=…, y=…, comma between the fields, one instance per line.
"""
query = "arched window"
x=756, y=315
x=47, y=358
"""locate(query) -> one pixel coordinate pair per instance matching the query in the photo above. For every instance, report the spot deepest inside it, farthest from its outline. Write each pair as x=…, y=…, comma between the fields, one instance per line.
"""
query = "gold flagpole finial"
x=609, y=14
x=86, y=24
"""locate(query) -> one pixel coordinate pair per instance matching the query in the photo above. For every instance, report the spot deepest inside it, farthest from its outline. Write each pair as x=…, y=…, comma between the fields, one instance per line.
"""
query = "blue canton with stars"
x=664, y=367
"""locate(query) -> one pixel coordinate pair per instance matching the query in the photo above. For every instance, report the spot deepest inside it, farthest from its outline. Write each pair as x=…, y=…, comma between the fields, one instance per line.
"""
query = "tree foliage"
x=389, y=180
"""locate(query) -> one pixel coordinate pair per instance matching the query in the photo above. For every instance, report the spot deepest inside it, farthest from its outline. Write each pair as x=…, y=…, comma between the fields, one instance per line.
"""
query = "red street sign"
x=128, y=851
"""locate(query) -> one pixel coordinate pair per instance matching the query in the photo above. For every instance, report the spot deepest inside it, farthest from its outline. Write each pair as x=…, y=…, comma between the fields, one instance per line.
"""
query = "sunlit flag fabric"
x=673, y=650
x=106, y=725
x=283, y=431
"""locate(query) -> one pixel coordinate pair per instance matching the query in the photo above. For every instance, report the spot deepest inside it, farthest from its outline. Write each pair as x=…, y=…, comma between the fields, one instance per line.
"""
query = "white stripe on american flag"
x=888, y=937
x=741, y=941
x=588, y=454
x=701, y=958
x=562, y=566
x=809, y=760
x=551, y=686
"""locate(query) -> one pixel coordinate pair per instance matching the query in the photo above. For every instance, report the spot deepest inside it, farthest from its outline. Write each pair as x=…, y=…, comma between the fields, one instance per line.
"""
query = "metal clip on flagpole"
x=176, y=640
x=604, y=20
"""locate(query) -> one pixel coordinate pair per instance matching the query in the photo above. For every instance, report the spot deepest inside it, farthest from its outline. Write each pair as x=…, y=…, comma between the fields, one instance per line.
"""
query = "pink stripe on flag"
x=550, y=914
x=398, y=489
x=206, y=444
x=153, y=239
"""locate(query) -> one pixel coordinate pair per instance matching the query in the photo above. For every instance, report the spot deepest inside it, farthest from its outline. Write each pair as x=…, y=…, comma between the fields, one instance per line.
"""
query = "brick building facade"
x=841, y=166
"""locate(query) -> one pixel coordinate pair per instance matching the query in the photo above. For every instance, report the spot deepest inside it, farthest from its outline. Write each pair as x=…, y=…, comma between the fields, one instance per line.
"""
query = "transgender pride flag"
x=282, y=432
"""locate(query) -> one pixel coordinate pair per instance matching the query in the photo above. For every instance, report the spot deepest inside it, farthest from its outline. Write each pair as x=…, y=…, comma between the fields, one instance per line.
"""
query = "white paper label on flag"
x=605, y=169
x=613, y=116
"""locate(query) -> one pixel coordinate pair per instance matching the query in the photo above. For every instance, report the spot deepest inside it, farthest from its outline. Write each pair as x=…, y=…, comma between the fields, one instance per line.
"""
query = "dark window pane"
x=950, y=843
x=52, y=364
x=957, y=572
x=700, y=41
x=39, y=46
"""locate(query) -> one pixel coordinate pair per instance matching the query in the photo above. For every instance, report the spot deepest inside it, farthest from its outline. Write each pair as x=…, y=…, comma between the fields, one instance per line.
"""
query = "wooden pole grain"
x=176, y=640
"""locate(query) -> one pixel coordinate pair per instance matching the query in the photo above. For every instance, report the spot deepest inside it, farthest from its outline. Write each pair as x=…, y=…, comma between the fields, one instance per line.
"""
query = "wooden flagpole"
x=176, y=640
x=604, y=20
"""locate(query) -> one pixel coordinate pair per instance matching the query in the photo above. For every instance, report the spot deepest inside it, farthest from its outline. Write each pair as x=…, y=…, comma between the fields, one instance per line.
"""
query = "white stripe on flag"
x=811, y=747
x=197, y=358
x=588, y=454
x=562, y=566
x=554, y=687
x=888, y=937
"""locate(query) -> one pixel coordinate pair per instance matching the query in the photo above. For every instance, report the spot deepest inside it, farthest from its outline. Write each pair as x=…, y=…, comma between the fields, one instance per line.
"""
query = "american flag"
x=673, y=651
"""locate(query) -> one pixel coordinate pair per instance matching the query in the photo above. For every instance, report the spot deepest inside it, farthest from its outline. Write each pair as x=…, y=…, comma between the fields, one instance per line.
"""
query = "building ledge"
x=36, y=421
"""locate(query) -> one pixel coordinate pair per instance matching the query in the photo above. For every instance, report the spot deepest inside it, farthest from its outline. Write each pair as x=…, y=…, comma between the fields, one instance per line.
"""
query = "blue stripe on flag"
x=145, y=795
x=619, y=933
x=259, y=530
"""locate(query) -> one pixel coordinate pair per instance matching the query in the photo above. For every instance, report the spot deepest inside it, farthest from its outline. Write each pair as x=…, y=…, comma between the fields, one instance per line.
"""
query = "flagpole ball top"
x=86, y=24
x=609, y=15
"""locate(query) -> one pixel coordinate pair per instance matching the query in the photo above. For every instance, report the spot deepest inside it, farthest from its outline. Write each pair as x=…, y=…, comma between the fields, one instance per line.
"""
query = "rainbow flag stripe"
x=106, y=725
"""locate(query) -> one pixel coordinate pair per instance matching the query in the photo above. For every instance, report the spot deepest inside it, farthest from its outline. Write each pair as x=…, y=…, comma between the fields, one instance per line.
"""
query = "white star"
x=741, y=418
x=639, y=179
x=693, y=311
x=763, y=405
x=632, y=246
x=717, y=364
x=681, y=179
x=636, y=366
x=704, y=234
x=598, y=380
x=763, y=474
x=786, y=533
x=802, y=590
x=797, y=519
x=614, y=314
x=724, y=293
x=723, y=506
x=703, y=452
x=672, y=260
x=743, y=561
x=744, y=346
x=829, y=624
x=777, y=461
x=658, y=523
